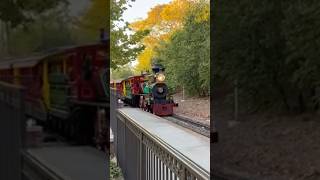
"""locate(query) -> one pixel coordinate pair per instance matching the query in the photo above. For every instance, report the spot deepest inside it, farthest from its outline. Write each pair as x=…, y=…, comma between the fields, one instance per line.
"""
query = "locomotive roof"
x=32, y=60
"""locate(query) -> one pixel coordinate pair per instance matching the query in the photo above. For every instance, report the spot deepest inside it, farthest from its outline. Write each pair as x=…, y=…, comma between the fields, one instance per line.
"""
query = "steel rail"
x=201, y=128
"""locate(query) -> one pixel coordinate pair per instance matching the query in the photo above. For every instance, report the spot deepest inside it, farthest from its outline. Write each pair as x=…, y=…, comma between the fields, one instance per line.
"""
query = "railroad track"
x=193, y=125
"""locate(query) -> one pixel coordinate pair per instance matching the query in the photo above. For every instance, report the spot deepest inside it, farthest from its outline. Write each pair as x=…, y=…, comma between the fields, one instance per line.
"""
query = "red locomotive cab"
x=135, y=82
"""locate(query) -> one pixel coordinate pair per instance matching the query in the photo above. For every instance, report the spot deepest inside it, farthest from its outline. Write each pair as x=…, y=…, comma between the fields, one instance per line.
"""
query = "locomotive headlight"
x=161, y=77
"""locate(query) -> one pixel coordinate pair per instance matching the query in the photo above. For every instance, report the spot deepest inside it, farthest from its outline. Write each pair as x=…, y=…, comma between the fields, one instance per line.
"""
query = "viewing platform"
x=64, y=163
x=149, y=147
x=188, y=143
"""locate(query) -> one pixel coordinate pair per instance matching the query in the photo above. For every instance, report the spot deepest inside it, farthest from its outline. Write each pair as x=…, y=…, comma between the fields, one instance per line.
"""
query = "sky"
x=140, y=9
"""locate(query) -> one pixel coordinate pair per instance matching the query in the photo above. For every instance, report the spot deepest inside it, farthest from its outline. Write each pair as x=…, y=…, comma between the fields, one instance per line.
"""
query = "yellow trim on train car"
x=124, y=88
x=16, y=76
x=46, y=88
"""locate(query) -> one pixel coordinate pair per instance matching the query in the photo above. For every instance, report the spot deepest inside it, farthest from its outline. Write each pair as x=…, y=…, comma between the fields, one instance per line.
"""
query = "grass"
x=115, y=171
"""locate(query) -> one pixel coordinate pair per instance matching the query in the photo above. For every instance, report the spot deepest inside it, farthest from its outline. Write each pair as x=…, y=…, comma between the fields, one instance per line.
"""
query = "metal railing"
x=12, y=120
x=143, y=156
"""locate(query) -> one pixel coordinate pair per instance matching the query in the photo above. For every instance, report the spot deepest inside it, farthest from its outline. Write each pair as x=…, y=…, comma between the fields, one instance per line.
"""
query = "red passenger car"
x=65, y=87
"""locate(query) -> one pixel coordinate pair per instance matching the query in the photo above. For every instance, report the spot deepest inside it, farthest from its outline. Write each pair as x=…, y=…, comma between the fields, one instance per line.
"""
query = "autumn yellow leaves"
x=162, y=21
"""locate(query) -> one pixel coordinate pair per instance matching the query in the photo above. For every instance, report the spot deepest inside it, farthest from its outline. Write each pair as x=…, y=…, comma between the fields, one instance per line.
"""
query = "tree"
x=121, y=73
x=162, y=21
x=47, y=31
x=270, y=48
x=21, y=11
x=144, y=62
x=15, y=13
x=186, y=55
x=124, y=47
x=96, y=17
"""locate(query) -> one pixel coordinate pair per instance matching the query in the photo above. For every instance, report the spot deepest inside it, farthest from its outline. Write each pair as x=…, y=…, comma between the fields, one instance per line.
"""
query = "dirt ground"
x=195, y=108
x=267, y=145
x=260, y=146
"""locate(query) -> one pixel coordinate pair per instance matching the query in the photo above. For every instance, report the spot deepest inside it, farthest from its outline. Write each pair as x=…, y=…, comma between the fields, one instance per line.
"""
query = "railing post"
x=150, y=157
x=142, y=165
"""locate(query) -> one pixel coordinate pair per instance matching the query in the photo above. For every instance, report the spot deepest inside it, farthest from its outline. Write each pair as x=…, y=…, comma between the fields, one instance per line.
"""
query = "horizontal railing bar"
x=185, y=161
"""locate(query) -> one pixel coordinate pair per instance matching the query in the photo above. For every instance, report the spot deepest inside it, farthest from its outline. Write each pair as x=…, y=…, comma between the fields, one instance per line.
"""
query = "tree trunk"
x=6, y=38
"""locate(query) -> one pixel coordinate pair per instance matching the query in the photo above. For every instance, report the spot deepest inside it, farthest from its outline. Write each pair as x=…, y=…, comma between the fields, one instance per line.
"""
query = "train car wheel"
x=77, y=116
x=84, y=125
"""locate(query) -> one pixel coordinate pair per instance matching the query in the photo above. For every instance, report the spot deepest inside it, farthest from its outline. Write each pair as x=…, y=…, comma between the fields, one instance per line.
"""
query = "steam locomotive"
x=147, y=91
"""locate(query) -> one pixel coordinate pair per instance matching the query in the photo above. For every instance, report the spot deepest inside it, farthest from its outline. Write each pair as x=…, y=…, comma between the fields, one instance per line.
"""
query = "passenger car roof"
x=32, y=60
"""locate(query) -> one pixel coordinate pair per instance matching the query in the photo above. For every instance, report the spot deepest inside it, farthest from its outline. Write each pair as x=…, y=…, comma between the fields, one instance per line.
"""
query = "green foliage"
x=121, y=73
x=115, y=171
x=187, y=55
x=22, y=11
x=270, y=49
x=47, y=31
x=124, y=48
x=96, y=17
x=32, y=25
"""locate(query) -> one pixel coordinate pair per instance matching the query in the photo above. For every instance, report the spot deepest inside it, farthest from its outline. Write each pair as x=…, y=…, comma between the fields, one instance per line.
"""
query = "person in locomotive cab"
x=147, y=90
